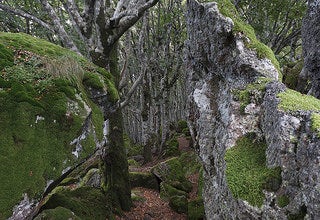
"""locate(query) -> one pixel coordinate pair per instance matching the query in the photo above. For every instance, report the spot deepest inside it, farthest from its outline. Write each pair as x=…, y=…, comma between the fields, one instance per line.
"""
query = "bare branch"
x=133, y=89
x=58, y=27
x=122, y=82
x=129, y=18
x=26, y=15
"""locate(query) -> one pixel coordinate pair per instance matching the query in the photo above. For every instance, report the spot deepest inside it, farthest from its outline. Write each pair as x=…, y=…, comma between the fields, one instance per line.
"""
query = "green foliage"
x=247, y=174
x=179, y=203
x=291, y=100
x=182, y=124
x=315, y=123
x=172, y=147
x=85, y=202
x=283, y=201
x=252, y=92
x=57, y=213
x=196, y=209
x=228, y=9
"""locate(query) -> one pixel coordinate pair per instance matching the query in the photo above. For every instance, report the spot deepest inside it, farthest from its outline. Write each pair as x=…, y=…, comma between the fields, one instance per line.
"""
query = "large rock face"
x=311, y=46
x=256, y=139
x=49, y=117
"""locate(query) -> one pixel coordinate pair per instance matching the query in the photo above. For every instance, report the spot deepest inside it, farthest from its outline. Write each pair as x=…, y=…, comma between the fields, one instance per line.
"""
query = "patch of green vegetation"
x=143, y=179
x=132, y=162
x=229, y=10
x=132, y=149
x=315, y=123
x=182, y=124
x=283, y=201
x=21, y=41
x=39, y=116
x=6, y=57
x=85, y=202
x=196, y=209
x=167, y=191
x=247, y=174
x=172, y=147
x=93, y=80
x=253, y=92
x=291, y=74
x=291, y=100
x=57, y=213
x=179, y=203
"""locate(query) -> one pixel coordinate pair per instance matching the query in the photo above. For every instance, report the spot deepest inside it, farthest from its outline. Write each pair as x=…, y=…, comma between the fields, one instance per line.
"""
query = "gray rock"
x=219, y=67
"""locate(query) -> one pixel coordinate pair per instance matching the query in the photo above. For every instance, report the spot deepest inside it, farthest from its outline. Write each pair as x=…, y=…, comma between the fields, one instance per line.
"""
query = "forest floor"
x=150, y=206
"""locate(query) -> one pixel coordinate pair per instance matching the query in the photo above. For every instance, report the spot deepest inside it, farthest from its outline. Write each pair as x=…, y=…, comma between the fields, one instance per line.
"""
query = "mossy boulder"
x=143, y=179
x=85, y=202
x=179, y=204
x=172, y=172
x=167, y=191
x=196, y=209
x=57, y=214
x=48, y=122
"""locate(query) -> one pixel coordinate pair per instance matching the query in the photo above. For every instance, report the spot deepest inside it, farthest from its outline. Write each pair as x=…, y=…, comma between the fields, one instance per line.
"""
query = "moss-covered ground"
x=247, y=174
x=85, y=202
x=291, y=100
x=41, y=113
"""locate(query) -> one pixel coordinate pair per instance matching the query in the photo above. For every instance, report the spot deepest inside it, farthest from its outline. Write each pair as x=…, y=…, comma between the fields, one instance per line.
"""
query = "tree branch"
x=26, y=15
x=58, y=27
x=133, y=89
x=128, y=19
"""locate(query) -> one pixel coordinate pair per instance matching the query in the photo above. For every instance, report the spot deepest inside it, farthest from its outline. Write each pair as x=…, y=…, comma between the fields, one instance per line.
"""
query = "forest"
x=159, y=109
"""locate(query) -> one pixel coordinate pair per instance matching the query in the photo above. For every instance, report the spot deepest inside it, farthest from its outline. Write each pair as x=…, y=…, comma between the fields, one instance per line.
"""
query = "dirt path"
x=151, y=207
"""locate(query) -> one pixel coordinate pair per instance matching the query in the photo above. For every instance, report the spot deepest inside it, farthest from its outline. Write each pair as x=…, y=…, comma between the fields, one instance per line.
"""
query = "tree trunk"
x=117, y=175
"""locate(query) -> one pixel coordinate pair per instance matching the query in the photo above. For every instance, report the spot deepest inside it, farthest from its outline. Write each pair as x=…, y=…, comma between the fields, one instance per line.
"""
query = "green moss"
x=228, y=9
x=132, y=162
x=179, y=204
x=315, y=123
x=39, y=116
x=252, y=92
x=182, y=124
x=247, y=174
x=291, y=100
x=291, y=74
x=196, y=209
x=142, y=179
x=21, y=41
x=58, y=213
x=85, y=202
x=167, y=191
x=93, y=80
x=283, y=201
x=172, y=172
x=172, y=147
x=6, y=57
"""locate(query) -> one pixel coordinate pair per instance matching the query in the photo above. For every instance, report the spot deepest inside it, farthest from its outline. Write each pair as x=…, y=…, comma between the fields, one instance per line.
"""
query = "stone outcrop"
x=311, y=48
x=235, y=98
x=50, y=120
